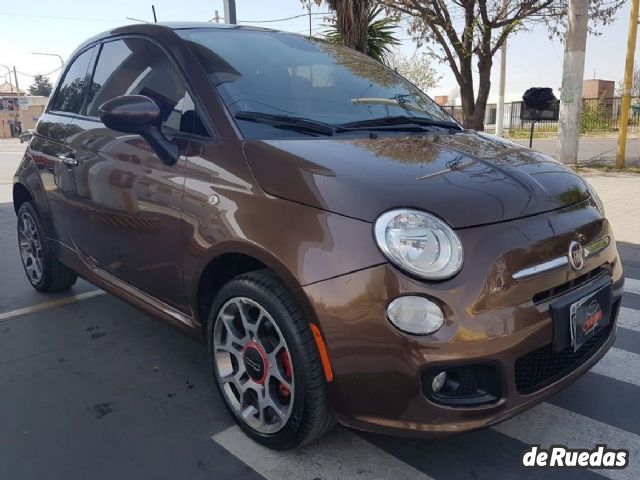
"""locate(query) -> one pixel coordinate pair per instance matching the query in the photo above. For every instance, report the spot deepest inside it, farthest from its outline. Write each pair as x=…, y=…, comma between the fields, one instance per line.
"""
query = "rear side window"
x=70, y=95
x=134, y=66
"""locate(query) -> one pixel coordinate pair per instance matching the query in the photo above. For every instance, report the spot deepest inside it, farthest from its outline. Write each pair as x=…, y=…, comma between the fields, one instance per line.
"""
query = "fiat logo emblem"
x=576, y=256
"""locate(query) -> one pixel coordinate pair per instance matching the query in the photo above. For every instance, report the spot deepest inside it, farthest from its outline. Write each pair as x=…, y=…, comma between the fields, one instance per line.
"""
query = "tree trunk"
x=352, y=18
x=467, y=96
x=484, y=86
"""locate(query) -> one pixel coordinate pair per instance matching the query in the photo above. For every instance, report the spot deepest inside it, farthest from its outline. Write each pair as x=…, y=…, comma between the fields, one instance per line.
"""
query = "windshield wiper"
x=300, y=124
x=399, y=121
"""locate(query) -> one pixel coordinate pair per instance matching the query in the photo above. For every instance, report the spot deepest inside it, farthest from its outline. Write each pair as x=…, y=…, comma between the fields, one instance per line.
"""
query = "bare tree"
x=457, y=32
x=417, y=69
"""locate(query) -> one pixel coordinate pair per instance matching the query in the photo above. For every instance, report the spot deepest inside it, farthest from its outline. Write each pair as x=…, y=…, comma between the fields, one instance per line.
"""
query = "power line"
x=36, y=74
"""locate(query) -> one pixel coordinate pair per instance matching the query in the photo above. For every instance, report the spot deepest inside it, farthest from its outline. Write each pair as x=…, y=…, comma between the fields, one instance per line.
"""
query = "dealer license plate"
x=588, y=315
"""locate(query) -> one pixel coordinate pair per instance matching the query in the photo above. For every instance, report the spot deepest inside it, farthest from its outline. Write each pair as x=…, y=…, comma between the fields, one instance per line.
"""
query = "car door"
x=48, y=149
x=124, y=214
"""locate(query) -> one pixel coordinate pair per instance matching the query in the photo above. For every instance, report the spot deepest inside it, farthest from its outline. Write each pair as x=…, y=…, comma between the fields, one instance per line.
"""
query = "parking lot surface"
x=92, y=388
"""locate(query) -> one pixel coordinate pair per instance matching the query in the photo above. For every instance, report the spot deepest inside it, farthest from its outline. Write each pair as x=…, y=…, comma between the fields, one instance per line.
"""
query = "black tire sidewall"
x=295, y=431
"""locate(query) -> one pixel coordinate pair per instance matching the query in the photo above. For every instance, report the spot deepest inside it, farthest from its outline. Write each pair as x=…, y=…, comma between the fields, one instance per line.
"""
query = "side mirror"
x=141, y=115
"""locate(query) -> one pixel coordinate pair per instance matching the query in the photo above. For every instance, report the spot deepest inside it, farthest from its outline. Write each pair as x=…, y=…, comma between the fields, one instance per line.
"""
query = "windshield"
x=267, y=73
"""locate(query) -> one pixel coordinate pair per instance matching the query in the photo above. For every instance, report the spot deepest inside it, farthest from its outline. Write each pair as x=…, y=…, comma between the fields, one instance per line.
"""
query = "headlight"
x=596, y=198
x=419, y=243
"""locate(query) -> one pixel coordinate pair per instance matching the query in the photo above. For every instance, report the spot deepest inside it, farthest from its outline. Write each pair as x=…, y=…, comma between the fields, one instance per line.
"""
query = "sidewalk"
x=592, y=149
x=620, y=193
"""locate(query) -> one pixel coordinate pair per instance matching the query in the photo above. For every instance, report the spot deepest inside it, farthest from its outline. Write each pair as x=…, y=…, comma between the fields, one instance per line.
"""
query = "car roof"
x=153, y=29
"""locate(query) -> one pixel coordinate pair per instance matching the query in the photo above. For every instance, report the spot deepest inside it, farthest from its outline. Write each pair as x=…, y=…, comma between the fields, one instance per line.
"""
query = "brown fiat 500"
x=348, y=250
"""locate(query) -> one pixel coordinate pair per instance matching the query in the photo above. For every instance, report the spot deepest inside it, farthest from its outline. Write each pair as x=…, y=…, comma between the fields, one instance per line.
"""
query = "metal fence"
x=598, y=115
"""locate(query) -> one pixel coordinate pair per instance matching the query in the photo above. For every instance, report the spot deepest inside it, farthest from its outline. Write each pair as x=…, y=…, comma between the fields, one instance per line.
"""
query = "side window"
x=135, y=66
x=70, y=95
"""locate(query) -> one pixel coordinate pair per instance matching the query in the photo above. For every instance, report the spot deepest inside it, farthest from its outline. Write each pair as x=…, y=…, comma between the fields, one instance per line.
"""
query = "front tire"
x=266, y=364
x=44, y=271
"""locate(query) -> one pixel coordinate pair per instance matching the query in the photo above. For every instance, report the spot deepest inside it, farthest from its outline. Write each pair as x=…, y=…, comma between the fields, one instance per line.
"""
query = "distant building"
x=441, y=99
x=32, y=108
x=597, y=88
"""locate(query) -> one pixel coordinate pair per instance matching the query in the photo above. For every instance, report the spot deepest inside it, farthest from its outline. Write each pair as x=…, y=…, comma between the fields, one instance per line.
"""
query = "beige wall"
x=441, y=99
x=596, y=88
x=29, y=119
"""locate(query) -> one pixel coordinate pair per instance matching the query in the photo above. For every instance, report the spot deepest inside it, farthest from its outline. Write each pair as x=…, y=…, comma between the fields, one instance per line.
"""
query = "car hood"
x=467, y=178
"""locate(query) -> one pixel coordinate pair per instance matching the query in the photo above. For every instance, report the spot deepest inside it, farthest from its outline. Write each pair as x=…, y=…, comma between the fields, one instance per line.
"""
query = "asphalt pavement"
x=92, y=388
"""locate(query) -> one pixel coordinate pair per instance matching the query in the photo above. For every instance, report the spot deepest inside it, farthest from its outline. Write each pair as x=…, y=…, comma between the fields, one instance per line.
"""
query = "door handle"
x=69, y=159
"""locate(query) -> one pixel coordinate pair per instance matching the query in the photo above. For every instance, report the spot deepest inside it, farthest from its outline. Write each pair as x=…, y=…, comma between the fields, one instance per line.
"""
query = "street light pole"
x=51, y=55
x=9, y=76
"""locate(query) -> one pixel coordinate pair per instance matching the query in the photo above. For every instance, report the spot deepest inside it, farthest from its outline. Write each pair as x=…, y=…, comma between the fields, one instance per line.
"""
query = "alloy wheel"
x=253, y=365
x=30, y=247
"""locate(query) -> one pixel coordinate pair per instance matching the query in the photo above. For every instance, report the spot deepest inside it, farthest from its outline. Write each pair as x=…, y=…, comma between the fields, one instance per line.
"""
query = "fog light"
x=439, y=381
x=416, y=315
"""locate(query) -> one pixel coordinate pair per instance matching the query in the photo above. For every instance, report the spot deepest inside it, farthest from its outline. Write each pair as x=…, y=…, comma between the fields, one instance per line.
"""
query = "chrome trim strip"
x=547, y=266
x=596, y=247
x=561, y=262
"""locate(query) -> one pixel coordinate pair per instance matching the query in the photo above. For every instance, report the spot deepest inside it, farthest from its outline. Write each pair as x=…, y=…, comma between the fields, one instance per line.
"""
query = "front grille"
x=567, y=286
x=543, y=366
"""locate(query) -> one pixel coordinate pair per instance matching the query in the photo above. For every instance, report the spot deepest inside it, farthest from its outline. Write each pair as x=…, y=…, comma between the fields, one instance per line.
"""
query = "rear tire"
x=44, y=271
x=251, y=371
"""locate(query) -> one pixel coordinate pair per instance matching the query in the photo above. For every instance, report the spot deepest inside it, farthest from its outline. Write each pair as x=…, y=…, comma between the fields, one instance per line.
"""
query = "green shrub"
x=595, y=116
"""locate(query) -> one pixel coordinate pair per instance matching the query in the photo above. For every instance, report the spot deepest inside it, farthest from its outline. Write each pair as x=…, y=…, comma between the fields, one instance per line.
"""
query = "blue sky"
x=38, y=25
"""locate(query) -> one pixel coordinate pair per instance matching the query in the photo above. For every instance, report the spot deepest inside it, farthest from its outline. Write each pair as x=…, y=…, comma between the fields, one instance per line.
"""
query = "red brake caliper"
x=288, y=371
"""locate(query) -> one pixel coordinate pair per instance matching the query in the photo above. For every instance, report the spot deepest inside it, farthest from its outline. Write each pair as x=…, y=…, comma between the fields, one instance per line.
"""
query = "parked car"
x=348, y=250
x=26, y=135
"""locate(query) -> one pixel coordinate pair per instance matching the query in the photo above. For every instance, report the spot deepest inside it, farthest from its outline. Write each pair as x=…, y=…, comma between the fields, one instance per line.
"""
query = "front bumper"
x=490, y=319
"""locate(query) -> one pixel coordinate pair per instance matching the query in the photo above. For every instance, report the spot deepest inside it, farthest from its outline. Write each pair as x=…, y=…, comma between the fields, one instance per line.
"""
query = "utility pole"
x=15, y=74
x=501, y=83
x=572, y=75
x=217, y=17
x=501, y=86
x=628, y=79
x=310, y=27
x=230, y=12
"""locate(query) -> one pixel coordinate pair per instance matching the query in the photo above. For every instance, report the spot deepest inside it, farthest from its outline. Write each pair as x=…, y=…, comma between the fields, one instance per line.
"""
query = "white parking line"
x=549, y=425
x=60, y=302
x=631, y=285
x=337, y=456
x=629, y=318
x=621, y=365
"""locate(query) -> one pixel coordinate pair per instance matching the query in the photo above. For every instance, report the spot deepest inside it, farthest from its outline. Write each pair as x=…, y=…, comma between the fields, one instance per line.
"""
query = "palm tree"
x=351, y=22
x=375, y=36
x=357, y=26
